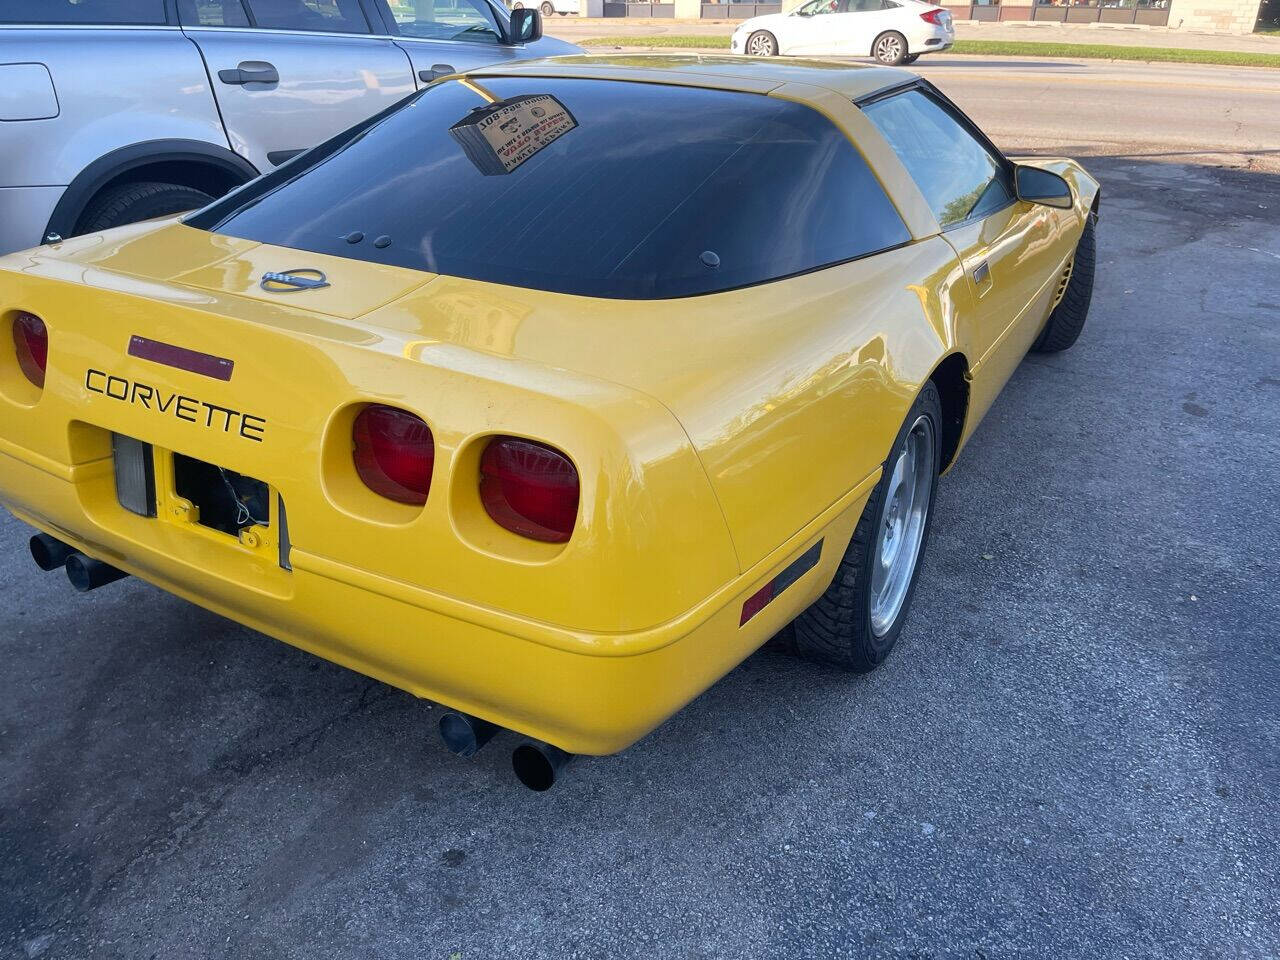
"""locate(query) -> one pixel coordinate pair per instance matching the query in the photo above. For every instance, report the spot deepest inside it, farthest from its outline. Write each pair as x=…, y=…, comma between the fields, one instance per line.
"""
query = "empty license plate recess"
x=211, y=500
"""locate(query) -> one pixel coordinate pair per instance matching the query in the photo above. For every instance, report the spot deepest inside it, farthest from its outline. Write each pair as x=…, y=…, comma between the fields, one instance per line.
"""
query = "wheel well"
x=951, y=379
x=206, y=177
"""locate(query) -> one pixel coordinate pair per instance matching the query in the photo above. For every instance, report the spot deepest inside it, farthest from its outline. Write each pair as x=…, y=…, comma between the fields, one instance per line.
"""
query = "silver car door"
x=289, y=74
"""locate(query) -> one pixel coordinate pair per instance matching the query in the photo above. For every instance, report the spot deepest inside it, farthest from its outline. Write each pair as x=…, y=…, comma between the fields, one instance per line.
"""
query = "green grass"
x=1000, y=48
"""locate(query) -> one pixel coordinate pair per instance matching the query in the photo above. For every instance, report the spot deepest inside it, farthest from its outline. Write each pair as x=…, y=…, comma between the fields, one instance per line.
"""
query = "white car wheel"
x=762, y=43
x=890, y=48
x=547, y=9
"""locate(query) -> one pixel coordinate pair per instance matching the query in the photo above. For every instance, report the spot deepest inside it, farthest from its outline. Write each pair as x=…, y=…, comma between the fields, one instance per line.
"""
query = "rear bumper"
x=931, y=40
x=586, y=693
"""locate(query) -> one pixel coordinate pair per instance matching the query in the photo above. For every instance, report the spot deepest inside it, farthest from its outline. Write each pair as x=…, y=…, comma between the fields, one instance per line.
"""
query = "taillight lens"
x=394, y=453
x=529, y=488
x=32, y=342
x=933, y=16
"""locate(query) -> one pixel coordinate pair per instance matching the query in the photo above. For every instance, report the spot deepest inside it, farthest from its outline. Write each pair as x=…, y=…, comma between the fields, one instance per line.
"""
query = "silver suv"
x=113, y=111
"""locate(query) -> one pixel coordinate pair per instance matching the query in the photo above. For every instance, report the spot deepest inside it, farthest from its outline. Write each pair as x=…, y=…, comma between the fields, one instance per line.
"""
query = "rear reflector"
x=205, y=364
x=394, y=453
x=31, y=340
x=794, y=571
x=135, y=475
x=529, y=488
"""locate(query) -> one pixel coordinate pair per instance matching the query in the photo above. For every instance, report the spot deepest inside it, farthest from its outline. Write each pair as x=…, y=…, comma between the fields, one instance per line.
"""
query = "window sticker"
x=500, y=137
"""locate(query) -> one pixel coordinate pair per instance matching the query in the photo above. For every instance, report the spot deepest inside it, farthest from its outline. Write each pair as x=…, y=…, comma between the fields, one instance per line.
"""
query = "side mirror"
x=1040, y=186
x=526, y=26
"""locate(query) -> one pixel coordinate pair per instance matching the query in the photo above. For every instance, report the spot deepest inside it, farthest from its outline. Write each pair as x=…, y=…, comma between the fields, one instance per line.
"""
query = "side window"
x=957, y=174
x=112, y=12
x=815, y=7
x=446, y=20
x=317, y=16
x=212, y=13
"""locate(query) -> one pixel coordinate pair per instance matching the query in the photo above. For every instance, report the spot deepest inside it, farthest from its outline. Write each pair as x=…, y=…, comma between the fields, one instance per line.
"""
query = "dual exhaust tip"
x=536, y=764
x=85, y=573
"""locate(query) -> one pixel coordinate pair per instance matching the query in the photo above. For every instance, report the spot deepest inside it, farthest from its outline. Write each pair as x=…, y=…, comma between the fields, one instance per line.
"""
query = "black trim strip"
x=798, y=568
x=278, y=157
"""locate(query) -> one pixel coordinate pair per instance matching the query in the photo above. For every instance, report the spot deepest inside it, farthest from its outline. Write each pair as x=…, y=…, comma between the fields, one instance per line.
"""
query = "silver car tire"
x=890, y=48
x=762, y=43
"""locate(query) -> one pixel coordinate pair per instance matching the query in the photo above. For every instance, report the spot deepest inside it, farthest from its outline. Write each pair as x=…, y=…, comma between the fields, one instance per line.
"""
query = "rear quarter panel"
x=115, y=87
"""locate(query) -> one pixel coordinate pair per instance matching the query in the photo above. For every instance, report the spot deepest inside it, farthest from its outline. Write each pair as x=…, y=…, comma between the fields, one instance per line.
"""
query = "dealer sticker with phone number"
x=500, y=137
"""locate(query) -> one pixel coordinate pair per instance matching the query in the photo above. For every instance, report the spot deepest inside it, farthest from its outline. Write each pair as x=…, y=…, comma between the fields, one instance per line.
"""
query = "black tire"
x=890, y=48
x=547, y=9
x=517, y=6
x=132, y=202
x=1063, y=327
x=766, y=44
x=910, y=59
x=837, y=629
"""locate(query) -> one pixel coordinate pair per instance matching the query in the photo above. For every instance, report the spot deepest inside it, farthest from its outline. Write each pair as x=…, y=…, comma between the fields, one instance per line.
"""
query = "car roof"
x=749, y=74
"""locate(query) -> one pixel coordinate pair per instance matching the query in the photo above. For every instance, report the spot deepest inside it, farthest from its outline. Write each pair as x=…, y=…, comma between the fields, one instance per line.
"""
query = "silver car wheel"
x=889, y=49
x=901, y=533
x=761, y=45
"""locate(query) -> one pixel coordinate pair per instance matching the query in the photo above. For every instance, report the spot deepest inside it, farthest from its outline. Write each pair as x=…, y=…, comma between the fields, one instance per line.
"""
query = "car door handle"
x=437, y=71
x=250, y=72
x=982, y=273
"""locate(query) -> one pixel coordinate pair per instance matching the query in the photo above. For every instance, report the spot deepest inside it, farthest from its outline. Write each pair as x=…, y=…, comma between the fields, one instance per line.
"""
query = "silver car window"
x=319, y=16
x=95, y=12
x=446, y=20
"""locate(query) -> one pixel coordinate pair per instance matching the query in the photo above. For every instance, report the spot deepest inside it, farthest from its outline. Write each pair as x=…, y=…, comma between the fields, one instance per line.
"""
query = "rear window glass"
x=137, y=12
x=591, y=187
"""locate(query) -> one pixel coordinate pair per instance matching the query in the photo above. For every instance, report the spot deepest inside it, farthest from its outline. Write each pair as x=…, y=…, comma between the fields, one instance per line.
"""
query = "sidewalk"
x=574, y=29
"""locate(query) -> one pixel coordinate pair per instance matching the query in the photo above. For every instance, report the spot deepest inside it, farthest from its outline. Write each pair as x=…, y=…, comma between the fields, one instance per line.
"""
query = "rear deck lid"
x=334, y=286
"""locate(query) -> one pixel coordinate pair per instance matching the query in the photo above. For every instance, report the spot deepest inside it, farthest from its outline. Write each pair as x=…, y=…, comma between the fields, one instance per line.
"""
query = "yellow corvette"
x=553, y=392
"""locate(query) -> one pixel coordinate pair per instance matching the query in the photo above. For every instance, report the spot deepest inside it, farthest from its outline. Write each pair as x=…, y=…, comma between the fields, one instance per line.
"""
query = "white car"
x=891, y=31
x=548, y=7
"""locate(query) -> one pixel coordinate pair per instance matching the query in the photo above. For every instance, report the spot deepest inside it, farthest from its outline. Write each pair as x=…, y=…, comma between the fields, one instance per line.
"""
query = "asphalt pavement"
x=1072, y=753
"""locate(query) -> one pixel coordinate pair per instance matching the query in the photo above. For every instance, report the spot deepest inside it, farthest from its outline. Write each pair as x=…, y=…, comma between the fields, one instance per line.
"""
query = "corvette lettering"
x=179, y=405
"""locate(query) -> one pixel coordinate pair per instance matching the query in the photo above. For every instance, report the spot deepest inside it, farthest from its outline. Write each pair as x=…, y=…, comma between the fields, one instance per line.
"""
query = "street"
x=1072, y=752
x=1161, y=111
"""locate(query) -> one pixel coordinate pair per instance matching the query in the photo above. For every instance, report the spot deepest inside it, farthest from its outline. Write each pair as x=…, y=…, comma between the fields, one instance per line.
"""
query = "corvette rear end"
x=524, y=398
x=275, y=464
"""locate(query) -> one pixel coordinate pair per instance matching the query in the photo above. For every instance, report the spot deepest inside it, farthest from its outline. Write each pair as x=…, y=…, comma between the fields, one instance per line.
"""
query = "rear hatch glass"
x=592, y=187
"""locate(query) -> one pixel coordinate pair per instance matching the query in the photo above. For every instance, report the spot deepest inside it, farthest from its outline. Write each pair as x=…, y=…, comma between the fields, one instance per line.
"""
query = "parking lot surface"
x=1072, y=753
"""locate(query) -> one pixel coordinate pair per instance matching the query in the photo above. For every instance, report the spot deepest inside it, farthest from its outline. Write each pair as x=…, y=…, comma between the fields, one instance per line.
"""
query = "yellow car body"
x=718, y=438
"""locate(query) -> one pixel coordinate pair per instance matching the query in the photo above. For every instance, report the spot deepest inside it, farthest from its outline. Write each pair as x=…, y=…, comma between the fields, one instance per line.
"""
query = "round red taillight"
x=32, y=342
x=394, y=453
x=529, y=488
